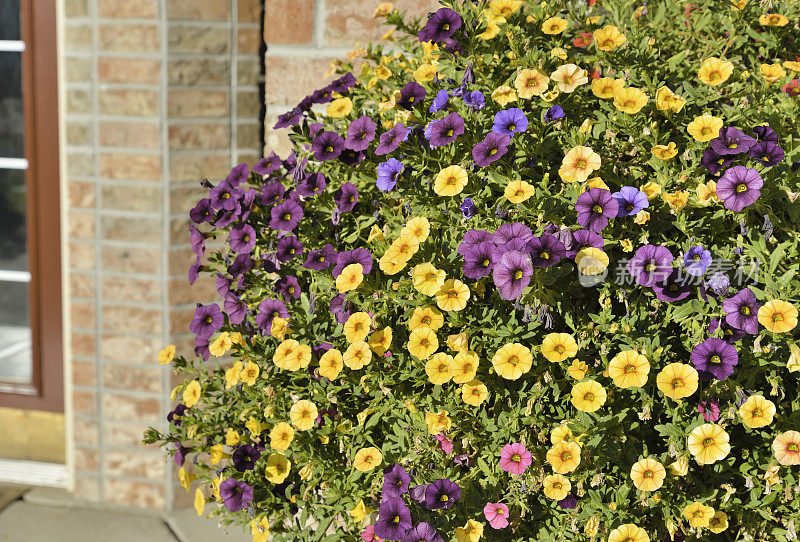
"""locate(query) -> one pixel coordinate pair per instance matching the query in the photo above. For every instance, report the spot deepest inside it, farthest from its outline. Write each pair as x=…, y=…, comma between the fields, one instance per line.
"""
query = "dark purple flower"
x=546, y=250
x=472, y=238
x=235, y=308
x=697, y=260
x=474, y=100
x=582, y=239
x=235, y=494
x=312, y=185
x=512, y=274
x=267, y=166
x=491, y=149
x=244, y=457
x=327, y=146
x=729, y=334
x=732, y=141
x=357, y=255
x=411, y=94
x=714, y=358
x=554, y=113
x=391, y=139
x=441, y=494
x=440, y=101
x=207, y=319
x=468, y=209
x=768, y=153
x=224, y=197
x=341, y=308
x=446, y=130
x=709, y=409
x=202, y=212
x=346, y=197
x=269, y=309
x=388, y=173
x=741, y=311
x=441, y=26
x=238, y=175
x=290, y=118
x=286, y=215
x=241, y=265
x=343, y=83
x=479, y=260
x=321, y=258
x=288, y=248
x=570, y=502
x=352, y=158
x=422, y=532
x=674, y=288
x=395, y=482
x=631, y=200
x=595, y=207
x=417, y=493
x=394, y=519
x=288, y=287
x=650, y=264
x=714, y=162
x=272, y=193
x=175, y=415
x=180, y=455
x=510, y=121
x=765, y=133
x=360, y=134
x=197, y=240
x=739, y=187
x=201, y=347
x=242, y=238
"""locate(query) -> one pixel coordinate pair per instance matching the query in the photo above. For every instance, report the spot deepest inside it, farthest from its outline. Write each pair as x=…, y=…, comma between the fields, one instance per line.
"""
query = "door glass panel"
x=9, y=19
x=11, y=119
x=15, y=333
x=13, y=254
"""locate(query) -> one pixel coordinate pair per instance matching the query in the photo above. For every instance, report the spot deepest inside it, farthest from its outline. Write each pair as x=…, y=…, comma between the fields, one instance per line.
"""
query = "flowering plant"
x=530, y=275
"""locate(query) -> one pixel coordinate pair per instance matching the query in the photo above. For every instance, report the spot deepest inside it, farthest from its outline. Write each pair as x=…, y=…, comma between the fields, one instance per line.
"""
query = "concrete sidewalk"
x=44, y=515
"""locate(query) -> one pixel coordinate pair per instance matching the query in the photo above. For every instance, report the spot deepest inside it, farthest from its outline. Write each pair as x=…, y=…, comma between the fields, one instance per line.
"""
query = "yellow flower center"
x=544, y=255
x=492, y=152
x=517, y=274
x=516, y=458
x=648, y=474
x=589, y=396
x=745, y=310
x=792, y=447
x=597, y=209
x=630, y=369
x=777, y=317
x=741, y=188
x=287, y=216
x=677, y=383
x=708, y=441
x=715, y=359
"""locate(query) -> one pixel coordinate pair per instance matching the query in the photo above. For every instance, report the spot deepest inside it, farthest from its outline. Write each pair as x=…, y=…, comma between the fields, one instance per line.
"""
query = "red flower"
x=584, y=40
x=792, y=88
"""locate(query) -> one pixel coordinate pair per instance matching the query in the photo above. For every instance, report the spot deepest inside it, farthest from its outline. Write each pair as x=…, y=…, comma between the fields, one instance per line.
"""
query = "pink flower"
x=496, y=513
x=514, y=458
x=445, y=444
x=368, y=535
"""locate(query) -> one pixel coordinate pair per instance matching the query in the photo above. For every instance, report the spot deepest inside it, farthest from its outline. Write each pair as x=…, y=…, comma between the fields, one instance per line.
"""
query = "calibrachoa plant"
x=529, y=274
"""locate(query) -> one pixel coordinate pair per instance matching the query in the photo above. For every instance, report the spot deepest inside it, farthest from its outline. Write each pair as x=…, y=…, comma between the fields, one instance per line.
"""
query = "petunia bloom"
x=595, y=207
x=714, y=358
x=496, y=513
x=492, y=148
x=739, y=187
x=741, y=311
x=515, y=458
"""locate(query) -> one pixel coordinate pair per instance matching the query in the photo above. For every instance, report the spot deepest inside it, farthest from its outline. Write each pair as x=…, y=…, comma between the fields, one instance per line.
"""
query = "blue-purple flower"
x=395, y=482
x=360, y=134
x=327, y=146
x=269, y=309
x=207, y=319
x=391, y=139
x=411, y=94
x=235, y=494
x=546, y=251
x=394, y=519
x=651, y=264
x=388, y=174
x=321, y=258
x=697, y=260
x=441, y=26
x=554, y=113
x=512, y=274
x=732, y=141
x=446, y=130
x=492, y=148
x=468, y=209
x=244, y=457
x=510, y=121
x=631, y=200
x=346, y=197
x=440, y=101
x=714, y=358
x=474, y=100
x=286, y=215
x=741, y=311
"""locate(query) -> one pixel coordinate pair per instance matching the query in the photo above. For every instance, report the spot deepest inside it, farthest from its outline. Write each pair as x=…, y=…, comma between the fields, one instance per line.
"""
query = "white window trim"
x=11, y=46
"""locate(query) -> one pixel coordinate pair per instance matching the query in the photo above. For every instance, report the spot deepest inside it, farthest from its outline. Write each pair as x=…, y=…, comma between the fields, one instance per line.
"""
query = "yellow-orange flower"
x=422, y=343
x=518, y=191
x=666, y=100
x=757, y=411
x=464, y=366
x=704, y=128
x=708, y=443
x=380, y=341
x=664, y=152
x=357, y=355
x=281, y=436
x=356, y=328
x=512, y=361
x=557, y=347
x=772, y=72
x=569, y=77
x=677, y=380
x=786, y=448
x=556, y=486
x=419, y=227
x=609, y=38
x=564, y=456
x=192, y=393
x=607, y=87
x=474, y=392
x=630, y=100
x=773, y=19
x=629, y=369
x=554, y=25
x=714, y=71
x=530, y=83
x=648, y=474
x=588, y=396
x=330, y=364
x=367, y=459
x=504, y=95
x=166, y=355
x=698, y=514
x=452, y=296
x=429, y=317
x=427, y=279
x=438, y=368
x=351, y=278
x=438, y=422
x=778, y=316
x=303, y=415
x=450, y=181
x=628, y=532
x=718, y=523
x=578, y=163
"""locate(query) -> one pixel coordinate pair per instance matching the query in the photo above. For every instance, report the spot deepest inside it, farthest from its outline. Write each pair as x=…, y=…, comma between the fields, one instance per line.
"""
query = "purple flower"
x=346, y=197
x=242, y=238
x=729, y=334
x=290, y=118
x=510, y=121
x=512, y=274
x=446, y=130
x=765, y=133
x=235, y=308
x=207, y=319
x=714, y=162
x=321, y=258
x=197, y=240
x=238, y=175
x=650, y=264
x=441, y=25
x=719, y=283
x=714, y=358
x=288, y=287
x=478, y=260
x=272, y=193
x=342, y=84
x=388, y=173
x=360, y=134
x=395, y=482
x=440, y=101
x=474, y=100
x=245, y=457
x=417, y=493
x=509, y=231
x=595, y=207
x=631, y=200
x=709, y=409
x=468, y=208
x=739, y=187
x=357, y=255
x=422, y=532
x=674, y=288
x=546, y=250
x=341, y=308
x=202, y=212
x=286, y=215
x=394, y=519
x=224, y=197
x=570, y=502
x=411, y=94
x=554, y=113
x=235, y=494
x=441, y=494
x=391, y=139
x=472, y=238
x=697, y=260
x=327, y=146
x=741, y=311
x=582, y=239
x=491, y=149
x=269, y=309
x=732, y=141
x=288, y=248
x=175, y=415
x=312, y=185
x=768, y=153
x=267, y=166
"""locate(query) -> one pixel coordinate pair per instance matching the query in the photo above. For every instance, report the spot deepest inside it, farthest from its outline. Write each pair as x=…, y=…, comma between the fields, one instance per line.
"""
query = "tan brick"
x=131, y=319
x=127, y=349
x=147, y=378
x=179, y=229
x=199, y=136
x=85, y=431
x=134, y=102
x=137, y=229
x=86, y=459
x=131, y=259
x=143, y=135
x=128, y=9
x=184, y=343
x=81, y=225
x=180, y=259
x=289, y=79
x=199, y=10
x=81, y=194
x=249, y=72
x=78, y=69
x=84, y=373
x=248, y=136
x=179, y=321
x=127, y=288
x=139, y=464
x=76, y=8
x=248, y=157
x=84, y=344
x=289, y=22
x=129, y=493
x=248, y=105
x=82, y=255
x=203, y=290
x=132, y=197
x=276, y=140
x=248, y=41
x=129, y=70
x=199, y=72
x=142, y=167
x=128, y=37
x=123, y=435
x=190, y=103
x=84, y=402
x=77, y=37
x=83, y=315
x=86, y=487
x=81, y=285
x=250, y=11
x=79, y=101
x=351, y=21
x=213, y=40
x=120, y=406
x=79, y=133
x=184, y=197
x=80, y=164
x=192, y=166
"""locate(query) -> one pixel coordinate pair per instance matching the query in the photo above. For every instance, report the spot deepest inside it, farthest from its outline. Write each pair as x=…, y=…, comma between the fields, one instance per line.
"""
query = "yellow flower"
x=627, y=245
x=278, y=468
x=564, y=456
x=504, y=95
x=648, y=474
x=551, y=95
x=793, y=364
x=185, y=478
x=791, y=65
x=609, y=38
x=232, y=437
x=351, y=278
x=607, y=87
x=383, y=73
x=757, y=411
x=557, y=347
x=698, y=514
x=778, y=316
x=375, y=234
x=651, y=189
x=708, y=443
x=772, y=72
x=577, y=369
x=559, y=53
x=492, y=30
x=504, y=8
x=217, y=454
x=429, y=317
x=330, y=364
x=279, y=327
x=438, y=368
x=530, y=83
x=704, y=128
x=569, y=77
x=664, y=152
x=591, y=261
x=192, y=393
x=281, y=435
x=383, y=9
x=464, y=366
x=425, y=72
x=595, y=182
x=676, y=200
x=303, y=414
x=452, y=296
x=259, y=528
x=666, y=100
x=680, y=467
x=512, y=361
x=419, y=227
x=718, y=523
x=359, y=511
x=458, y=342
x=707, y=193
x=357, y=355
x=427, y=279
x=199, y=502
x=629, y=369
x=474, y=392
x=554, y=25
x=641, y=217
x=630, y=100
x=472, y=531
x=677, y=380
x=290, y=355
x=438, y=422
x=380, y=341
x=391, y=266
x=559, y=433
x=593, y=525
x=588, y=396
x=356, y=328
x=715, y=71
x=628, y=532
x=422, y=343
x=450, y=181
x=556, y=486
x=166, y=355
x=773, y=19
x=786, y=447
x=579, y=162
x=403, y=248
x=339, y=108
x=519, y=191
